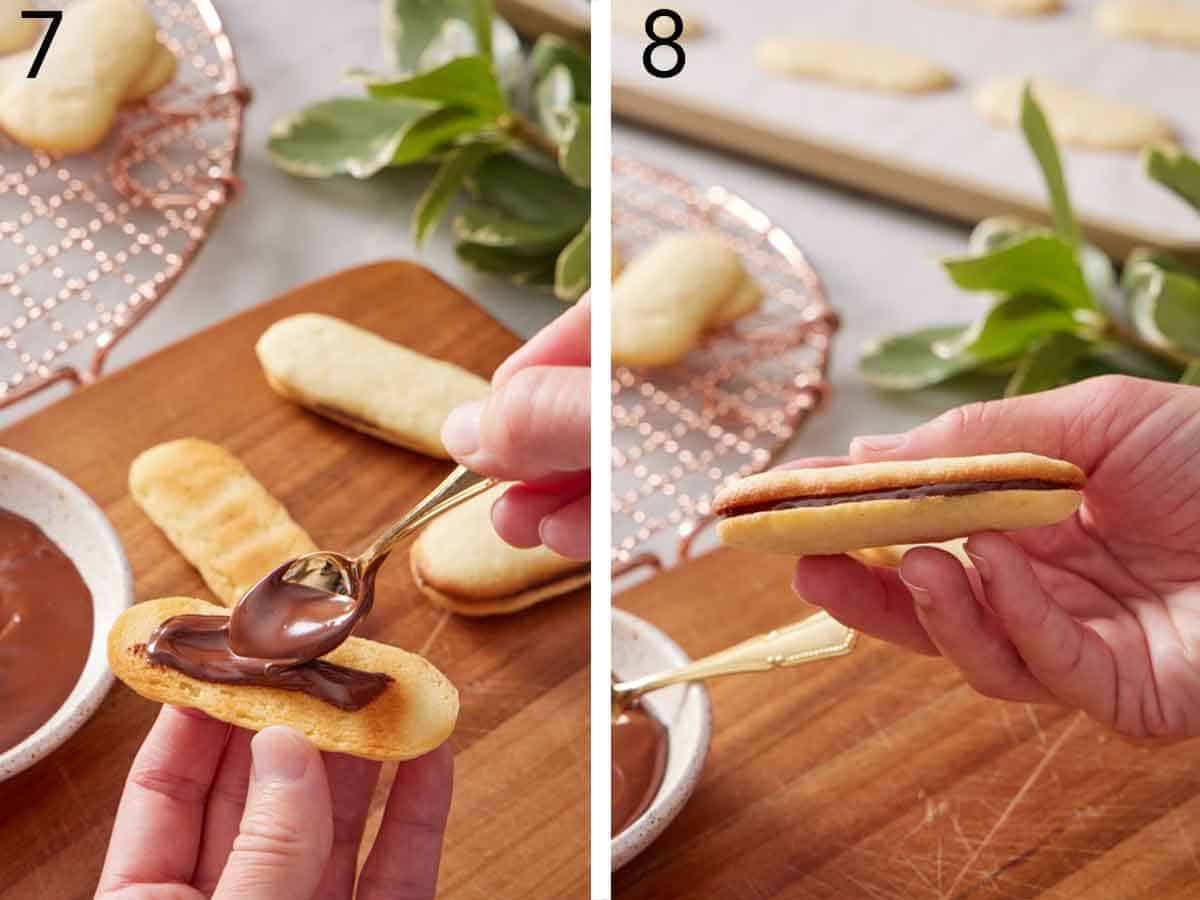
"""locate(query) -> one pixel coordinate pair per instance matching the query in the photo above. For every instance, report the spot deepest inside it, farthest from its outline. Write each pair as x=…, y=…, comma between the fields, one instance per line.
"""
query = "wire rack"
x=90, y=243
x=680, y=433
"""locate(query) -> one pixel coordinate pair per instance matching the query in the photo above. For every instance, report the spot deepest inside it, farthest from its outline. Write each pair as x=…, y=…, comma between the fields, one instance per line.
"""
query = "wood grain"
x=518, y=827
x=882, y=775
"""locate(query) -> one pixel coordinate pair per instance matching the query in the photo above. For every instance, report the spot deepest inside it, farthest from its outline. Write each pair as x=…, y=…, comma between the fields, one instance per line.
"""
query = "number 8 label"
x=671, y=40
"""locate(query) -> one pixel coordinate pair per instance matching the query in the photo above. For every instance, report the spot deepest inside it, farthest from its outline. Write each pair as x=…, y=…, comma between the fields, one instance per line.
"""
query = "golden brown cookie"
x=838, y=509
x=415, y=713
x=216, y=514
x=364, y=382
x=459, y=562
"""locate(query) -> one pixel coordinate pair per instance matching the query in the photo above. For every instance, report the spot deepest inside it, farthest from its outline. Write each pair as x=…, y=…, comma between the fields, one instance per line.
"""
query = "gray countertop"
x=283, y=231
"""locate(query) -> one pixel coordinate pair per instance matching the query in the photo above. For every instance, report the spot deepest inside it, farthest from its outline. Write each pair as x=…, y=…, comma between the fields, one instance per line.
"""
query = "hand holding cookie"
x=210, y=810
x=1100, y=611
x=534, y=428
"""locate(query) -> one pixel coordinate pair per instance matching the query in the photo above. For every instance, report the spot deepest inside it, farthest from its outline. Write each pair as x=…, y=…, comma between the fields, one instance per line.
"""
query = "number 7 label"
x=55, y=17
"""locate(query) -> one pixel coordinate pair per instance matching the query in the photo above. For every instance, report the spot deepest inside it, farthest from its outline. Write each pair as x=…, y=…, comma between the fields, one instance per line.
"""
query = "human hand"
x=535, y=429
x=1099, y=612
x=210, y=810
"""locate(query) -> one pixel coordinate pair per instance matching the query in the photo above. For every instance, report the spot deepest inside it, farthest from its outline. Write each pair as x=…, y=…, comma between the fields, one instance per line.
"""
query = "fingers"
x=532, y=428
x=286, y=831
x=226, y=803
x=528, y=516
x=868, y=599
x=1060, y=423
x=966, y=633
x=403, y=864
x=351, y=782
x=564, y=342
x=1069, y=658
x=163, y=802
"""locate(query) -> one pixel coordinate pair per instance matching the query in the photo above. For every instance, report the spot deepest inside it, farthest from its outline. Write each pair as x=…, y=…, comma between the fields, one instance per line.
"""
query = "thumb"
x=534, y=427
x=286, y=833
x=1066, y=423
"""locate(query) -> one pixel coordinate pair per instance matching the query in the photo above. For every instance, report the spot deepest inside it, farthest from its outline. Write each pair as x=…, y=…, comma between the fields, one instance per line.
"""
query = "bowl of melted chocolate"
x=659, y=744
x=64, y=579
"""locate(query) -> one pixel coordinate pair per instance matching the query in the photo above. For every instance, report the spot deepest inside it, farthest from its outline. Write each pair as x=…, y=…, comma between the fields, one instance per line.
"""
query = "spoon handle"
x=460, y=485
x=820, y=636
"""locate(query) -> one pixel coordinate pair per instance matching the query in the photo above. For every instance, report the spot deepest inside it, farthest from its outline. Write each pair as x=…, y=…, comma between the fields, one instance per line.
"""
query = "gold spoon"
x=310, y=605
x=820, y=636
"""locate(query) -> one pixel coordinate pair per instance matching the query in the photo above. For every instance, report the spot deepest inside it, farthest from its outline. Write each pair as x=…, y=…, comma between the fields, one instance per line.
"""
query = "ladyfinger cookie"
x=415, y=713
x=460, y=563
x=667, y=297
x=216, y=514
x=360, y=380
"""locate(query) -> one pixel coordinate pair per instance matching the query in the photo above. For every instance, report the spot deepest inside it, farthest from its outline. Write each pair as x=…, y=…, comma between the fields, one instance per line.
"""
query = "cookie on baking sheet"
x=869, y=66
x=415, y=713
x=668, y=296
x=101, y=50
x=365, y=382
x=459, y=562
x=802, y=512
x=1168, y=22
x=216, y=514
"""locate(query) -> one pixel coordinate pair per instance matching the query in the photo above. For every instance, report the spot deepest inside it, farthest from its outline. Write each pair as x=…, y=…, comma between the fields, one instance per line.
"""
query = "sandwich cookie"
x=803, y=512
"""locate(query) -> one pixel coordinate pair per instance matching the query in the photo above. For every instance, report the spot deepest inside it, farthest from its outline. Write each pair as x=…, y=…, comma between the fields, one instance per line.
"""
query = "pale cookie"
x=1074, y=117
x=629, y=16
x=1159, y=21
x=17, y=32
x=101, y=49
x=216, y=514
x=667, y=297
x=157, y=72
x=415, y=713
x=869, y=66
x=364, y=382
x=460, y=563
x=1004, y=7
x=838, y=509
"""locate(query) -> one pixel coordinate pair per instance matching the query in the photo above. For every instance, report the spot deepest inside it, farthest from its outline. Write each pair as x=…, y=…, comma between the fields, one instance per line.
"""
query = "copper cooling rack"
x=90, y=243
x=679, y=433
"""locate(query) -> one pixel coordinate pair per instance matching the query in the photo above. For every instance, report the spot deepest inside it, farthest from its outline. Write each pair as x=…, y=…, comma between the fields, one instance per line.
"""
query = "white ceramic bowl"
x=72, y=520
x=638, y=648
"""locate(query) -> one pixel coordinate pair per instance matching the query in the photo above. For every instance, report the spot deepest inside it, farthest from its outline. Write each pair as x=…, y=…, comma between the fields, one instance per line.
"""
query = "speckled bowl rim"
x=96, y=679
x=672, y=797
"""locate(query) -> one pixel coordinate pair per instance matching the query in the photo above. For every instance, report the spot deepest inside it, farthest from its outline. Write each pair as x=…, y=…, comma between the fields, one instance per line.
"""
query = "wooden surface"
x=518, y=827
x=882, y=776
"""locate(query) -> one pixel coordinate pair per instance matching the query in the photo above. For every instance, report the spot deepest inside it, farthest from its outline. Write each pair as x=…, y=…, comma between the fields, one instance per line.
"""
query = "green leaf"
x=1048, y=364
x=488, y=227
x=1009, y=327
x=1175, y=170
x=1165, y=307
x=1043, y=264
x=908, y=361
x=355, y=135
x=552, y=101
x=575, y=154
x=445, y=184
x=997, y=232
x=573, y=269
x=1191, y=375
x=409, y=27
x=435, y=131
x=518, y=269
x=1041, y=142
x=551, y=51
x=1118, y=357
x=527, y=192
x=467, y=82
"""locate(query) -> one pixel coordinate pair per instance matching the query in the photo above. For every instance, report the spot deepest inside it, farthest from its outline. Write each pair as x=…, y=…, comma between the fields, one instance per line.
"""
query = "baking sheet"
x=942, y=133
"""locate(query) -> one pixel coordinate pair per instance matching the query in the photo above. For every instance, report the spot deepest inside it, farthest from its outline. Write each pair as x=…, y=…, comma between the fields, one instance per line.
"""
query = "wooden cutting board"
x=518, y=827
x=882, y=776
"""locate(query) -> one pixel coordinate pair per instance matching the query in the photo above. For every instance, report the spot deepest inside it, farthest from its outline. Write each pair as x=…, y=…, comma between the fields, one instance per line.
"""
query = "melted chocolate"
x=942, y=489
x=639, y=760
x=199, y=646
x=45, y=628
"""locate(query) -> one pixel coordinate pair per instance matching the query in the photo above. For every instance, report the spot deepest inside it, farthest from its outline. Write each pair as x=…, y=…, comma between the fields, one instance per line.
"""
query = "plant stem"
x=517, y=126
x=1126, y=335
